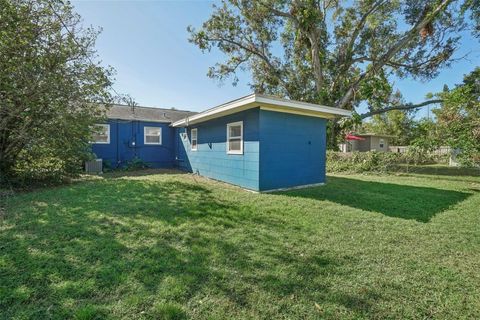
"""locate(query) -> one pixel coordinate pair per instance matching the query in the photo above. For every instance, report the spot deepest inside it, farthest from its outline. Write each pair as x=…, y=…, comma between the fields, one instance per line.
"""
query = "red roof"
x=352, y=137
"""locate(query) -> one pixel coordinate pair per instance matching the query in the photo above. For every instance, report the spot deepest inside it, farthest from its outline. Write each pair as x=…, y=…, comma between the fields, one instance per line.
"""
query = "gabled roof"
x=265, y=102
x=124, y=112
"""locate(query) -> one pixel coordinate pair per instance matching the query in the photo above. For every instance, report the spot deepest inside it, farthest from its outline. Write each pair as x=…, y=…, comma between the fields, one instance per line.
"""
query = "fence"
x=439, y=152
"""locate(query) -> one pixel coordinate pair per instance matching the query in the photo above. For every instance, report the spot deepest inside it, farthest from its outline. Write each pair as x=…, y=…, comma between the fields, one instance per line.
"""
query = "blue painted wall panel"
x=292, y=150
x=281, y=150
x=211, y=158
x=127, y=142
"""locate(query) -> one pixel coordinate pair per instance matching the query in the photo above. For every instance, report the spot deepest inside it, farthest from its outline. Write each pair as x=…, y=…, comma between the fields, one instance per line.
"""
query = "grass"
x=177, y=246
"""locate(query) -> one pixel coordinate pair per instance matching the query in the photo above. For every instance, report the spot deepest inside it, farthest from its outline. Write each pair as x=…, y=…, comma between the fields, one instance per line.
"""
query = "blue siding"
x=211, y=158
x=127, y=142
x=281, y=150
x=292, y=150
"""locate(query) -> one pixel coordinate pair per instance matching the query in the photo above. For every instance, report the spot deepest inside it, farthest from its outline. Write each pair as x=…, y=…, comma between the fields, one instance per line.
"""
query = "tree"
x=333, y=52
x=425, y=135
x=397, y=123
x=50, y=88
x=459, y=118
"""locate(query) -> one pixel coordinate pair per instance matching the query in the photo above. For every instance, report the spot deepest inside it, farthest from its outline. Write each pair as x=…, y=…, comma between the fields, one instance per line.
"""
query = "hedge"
x=373, y=161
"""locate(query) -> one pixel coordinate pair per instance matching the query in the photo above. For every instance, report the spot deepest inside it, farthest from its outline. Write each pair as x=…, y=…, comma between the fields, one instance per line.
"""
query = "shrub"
x=41, y=165
x=416, y=155
x=136, y=164
x=373, y=161
x=52, y=90
x=360, y=161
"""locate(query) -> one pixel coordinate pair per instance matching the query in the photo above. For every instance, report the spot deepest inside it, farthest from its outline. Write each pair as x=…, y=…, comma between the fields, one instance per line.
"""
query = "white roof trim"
x=258, y=100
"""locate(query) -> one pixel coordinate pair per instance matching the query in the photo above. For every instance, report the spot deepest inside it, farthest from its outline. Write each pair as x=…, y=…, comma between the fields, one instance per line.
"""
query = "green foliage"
x=373, y=161
x=45, y=168
x=174, y=246
x=417, y=155
x=50, y=89
x=459, y=119
x=136, y=164
x=425, y=135
x=397, y=124
x=336, y=53
x=404, y=129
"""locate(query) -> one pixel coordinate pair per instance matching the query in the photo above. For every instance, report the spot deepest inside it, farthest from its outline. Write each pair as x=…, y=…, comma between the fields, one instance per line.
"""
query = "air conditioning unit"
x=94, y=166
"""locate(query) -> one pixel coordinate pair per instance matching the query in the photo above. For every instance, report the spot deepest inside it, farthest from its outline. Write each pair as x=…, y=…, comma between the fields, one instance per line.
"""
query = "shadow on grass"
x=146, y=248
x=139, y=173
x=393, y=200
x=441, y=170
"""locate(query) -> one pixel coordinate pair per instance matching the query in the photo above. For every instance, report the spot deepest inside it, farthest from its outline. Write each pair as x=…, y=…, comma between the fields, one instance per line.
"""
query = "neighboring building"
x=257, y=142
x=369, y=142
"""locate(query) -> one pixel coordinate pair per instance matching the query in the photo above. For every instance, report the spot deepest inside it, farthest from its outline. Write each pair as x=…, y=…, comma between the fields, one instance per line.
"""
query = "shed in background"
x=370, y=142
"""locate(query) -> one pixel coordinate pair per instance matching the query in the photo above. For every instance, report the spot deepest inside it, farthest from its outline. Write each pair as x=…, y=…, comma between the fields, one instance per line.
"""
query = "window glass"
x=235, y=131
x=101, y=133
x=194, y=139
x=153, y=135
x=235, y=144
x=235, y=138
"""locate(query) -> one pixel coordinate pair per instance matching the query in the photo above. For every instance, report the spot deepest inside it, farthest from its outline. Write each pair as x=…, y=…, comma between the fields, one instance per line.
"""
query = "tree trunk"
x=317, y=65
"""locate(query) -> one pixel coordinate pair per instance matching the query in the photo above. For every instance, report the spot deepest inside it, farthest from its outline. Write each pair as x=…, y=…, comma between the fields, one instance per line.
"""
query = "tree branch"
x=359, y=27
x=313, y=37
x=347, y=52
x=408, y=106
x=250, y=48
x=401, y=43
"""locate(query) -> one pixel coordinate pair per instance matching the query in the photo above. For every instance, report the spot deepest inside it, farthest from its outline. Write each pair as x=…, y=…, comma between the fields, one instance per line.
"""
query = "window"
x=152, y=135
x=382, y=143
x=193, y=143
x=101, y=134
x=235, y=138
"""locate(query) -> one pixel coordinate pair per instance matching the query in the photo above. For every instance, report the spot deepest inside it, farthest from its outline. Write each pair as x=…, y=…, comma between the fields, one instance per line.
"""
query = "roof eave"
x=138, y=119
x=268, y=103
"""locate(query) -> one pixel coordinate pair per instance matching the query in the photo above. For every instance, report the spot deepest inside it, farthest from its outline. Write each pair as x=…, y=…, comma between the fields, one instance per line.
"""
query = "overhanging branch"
x=401, y=43
x=408, y=106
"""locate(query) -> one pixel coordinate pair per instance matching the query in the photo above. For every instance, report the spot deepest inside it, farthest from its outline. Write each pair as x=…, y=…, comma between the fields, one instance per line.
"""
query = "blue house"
x=257, y=142
x=137, y=132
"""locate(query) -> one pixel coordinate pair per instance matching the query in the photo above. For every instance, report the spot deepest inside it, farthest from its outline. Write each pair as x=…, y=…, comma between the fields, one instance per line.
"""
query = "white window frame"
x=381, y=143
x=145, y=136
x=105, y=125
x=233, y=124
x=196, y=139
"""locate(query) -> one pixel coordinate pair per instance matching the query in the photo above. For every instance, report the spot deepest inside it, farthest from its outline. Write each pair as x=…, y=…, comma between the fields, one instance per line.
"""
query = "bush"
x=136, y=164
x=40, y=165
x=416, y=155
x=46, y=123
x=373, y=161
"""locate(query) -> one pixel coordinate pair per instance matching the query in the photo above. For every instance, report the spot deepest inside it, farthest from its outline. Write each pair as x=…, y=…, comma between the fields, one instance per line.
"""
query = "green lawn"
x=174, y=246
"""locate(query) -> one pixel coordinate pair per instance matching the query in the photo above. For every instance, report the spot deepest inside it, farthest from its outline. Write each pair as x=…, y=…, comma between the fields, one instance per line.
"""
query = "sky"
x=147, y=44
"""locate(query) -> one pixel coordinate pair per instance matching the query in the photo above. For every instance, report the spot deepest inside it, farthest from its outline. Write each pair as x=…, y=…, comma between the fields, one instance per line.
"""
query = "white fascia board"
x=302, y=106
x=257, y=100
x=216, y=112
